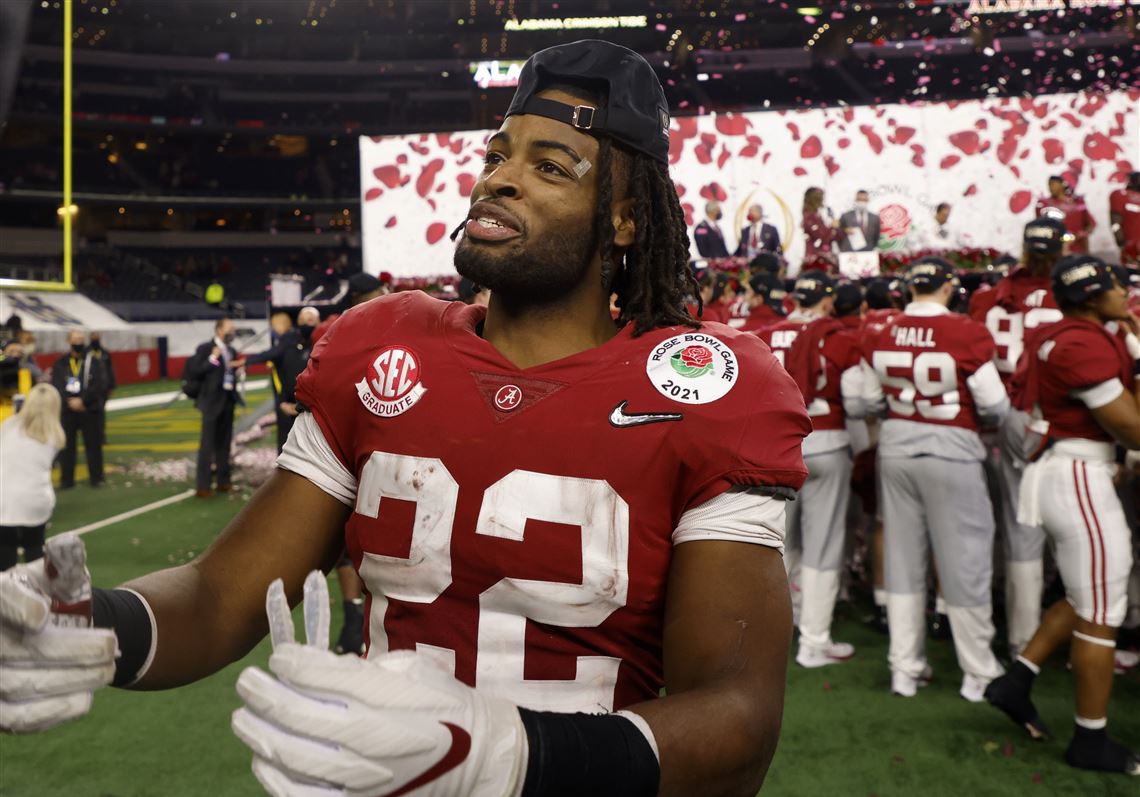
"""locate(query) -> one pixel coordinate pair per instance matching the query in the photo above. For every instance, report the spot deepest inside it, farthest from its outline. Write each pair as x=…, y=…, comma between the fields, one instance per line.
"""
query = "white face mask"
x=860, y=205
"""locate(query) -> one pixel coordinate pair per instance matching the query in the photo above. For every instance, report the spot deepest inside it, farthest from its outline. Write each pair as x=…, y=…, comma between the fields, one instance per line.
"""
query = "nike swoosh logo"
x=620, y=418
x=455, y=755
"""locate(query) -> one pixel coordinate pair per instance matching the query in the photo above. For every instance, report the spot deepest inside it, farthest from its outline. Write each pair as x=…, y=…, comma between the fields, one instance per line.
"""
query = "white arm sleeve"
x=874, y=402
x=989, y=393
x=741, y=514
x=1097, y=396
x=308, y=454
x=851, y=389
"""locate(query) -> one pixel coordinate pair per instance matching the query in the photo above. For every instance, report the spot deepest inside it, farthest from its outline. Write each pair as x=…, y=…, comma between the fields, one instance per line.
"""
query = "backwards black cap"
x=635, y=111
x=1045, y=235
x=812, y=287
x=1078, y=278
x=930, y=273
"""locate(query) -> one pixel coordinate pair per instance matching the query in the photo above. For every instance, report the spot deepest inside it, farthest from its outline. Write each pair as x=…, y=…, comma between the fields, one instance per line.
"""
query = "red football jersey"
x=761, y=316
x=1126, y=202
x=518, y=522
x=1019, y=302
x=852, y=322
x=1078, y=221
x=923, y=362
x=782, y=335
x=1072, y=355
x=835, y=349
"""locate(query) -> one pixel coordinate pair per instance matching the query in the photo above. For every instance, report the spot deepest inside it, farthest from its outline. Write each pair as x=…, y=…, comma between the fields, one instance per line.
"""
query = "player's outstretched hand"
x=48, y=671
x=320, y=724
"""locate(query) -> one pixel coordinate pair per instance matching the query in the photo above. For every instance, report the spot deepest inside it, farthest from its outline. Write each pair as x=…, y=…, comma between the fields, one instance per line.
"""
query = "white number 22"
x=504, y=608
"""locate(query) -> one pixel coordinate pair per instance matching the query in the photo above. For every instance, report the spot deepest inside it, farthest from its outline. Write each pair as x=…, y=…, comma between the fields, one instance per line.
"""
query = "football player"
x=931, y=372
x=1124, y=213
x=554, y=516
x=823, y=357
x=1020, y=302
x=1081, y=388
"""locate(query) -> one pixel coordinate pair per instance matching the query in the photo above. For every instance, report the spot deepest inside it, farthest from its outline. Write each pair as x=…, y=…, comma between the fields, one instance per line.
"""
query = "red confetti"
x=873, y=139
x=1019, y=201
x=714, y=191
x=799, y=171
x=1054, y=150
x=948, y=161
x=902, y=135
x=466, y=184
x=732, y=124
x=388, y=175
x=391, y=222
x=426, y=180
x=811, y=147
x=1099, y=147
x=435, y=231
x=967, y=141
x=373, y=193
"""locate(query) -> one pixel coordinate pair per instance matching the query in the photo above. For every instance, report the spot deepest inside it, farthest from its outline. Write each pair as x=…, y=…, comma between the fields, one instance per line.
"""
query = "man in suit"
x=758, y=237
x=289, y=356
x=709, y=238
x=216, y=364
x=859, y=223
x=81, y=380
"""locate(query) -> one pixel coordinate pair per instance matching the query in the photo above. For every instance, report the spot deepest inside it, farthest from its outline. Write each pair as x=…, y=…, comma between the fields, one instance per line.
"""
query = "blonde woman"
x=29, y=442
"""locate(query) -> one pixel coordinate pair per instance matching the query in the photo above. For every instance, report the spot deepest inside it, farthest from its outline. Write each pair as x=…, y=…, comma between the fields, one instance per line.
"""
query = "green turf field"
x=843, y=733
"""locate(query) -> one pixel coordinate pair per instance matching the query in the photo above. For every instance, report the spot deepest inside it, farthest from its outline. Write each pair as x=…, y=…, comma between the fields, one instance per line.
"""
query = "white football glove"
x=392, y=725
x=48, y=673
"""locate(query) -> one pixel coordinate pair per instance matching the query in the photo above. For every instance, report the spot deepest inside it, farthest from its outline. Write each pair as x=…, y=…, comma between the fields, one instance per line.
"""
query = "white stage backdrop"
x=989, y=159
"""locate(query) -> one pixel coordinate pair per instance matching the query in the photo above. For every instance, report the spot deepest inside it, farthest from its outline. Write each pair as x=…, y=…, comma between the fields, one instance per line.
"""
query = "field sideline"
x=843, y=733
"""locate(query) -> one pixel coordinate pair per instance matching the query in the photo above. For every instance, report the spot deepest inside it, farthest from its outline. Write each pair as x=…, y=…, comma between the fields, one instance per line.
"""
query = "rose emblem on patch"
x=692, y=361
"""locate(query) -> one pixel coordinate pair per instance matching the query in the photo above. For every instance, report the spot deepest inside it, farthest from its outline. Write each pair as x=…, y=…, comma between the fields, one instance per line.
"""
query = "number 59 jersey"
x=934, y=370
x=517, y=525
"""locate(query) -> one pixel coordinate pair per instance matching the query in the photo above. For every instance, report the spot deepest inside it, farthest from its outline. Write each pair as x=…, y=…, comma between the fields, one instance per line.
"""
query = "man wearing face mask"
x=707, y=234
x=289, y=357
x=860, y=227
x=82, y=384
x=215, y=364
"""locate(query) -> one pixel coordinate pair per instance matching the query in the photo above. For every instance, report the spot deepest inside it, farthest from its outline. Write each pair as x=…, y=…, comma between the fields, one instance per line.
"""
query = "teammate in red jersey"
x=931, y=372
x=1124, y=214
x=1080, y=385
x=1071, y=209
x=1020, y=302
x=538, y=500
x=765, y=294
x=823, y=358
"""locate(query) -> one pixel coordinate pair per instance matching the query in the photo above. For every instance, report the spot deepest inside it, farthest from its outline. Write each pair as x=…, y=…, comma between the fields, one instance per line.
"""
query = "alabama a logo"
x=392, y=384
x=692, y=368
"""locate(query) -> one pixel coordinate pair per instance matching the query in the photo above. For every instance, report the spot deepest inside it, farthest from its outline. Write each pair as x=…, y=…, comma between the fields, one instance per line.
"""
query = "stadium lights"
x=70, y=210
x=809, y=11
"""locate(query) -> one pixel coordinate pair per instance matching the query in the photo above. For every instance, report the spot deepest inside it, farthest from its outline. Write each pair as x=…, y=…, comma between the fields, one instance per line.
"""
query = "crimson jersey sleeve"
x=750, y=438
x=327, y=386
x=1116, y=201
x=1083, y=358
x=974, y=348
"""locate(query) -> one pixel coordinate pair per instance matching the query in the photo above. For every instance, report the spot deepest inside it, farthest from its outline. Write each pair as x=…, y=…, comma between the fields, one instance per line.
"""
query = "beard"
x=532, y=271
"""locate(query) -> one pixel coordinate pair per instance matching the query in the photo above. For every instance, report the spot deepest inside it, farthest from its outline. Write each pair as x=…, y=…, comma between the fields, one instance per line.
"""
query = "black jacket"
x=92, y=378
x=709, y=240
x=213, y=398
x=289, y=356
x=769, y=241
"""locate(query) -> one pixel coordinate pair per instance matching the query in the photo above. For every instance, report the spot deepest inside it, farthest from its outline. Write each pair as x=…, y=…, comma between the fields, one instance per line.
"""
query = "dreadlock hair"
x=651, y=277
